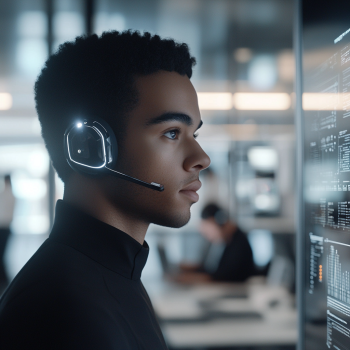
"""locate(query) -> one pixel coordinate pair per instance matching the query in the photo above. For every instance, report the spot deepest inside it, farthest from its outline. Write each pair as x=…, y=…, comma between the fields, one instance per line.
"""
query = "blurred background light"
x=66, y=26
x=31, y=47
x=263, y=158
x=242, y=55
x=323, y=101
x=109, y=21
x=31, y=55
x=32, y=24
x=214, y=100
x=265, y=201
x=17, y=158
x=38, y=163
x=19, y=126
x=261, y=101
x=29, y=188
x=244, y=188
x=5, y=101
x=262, y=72
x=33, y=224
x=262, y=245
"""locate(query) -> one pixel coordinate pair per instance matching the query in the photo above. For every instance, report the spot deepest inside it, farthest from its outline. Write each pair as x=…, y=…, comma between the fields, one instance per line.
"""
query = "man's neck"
x=84, y=194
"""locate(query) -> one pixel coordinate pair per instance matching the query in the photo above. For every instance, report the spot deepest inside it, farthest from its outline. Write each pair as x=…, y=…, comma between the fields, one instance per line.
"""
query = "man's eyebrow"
x=170, y=116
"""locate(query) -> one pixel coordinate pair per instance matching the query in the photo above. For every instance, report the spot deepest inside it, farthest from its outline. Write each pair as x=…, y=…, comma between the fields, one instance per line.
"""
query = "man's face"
x=160, y=146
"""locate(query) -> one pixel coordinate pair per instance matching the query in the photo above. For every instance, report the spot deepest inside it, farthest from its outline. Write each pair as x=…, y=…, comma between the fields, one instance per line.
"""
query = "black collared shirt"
x=81, y=290
x=236, y=263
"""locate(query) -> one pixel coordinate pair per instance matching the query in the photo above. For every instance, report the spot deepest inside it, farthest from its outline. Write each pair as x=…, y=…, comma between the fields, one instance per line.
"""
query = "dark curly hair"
x=94, y=76
x=212, y=210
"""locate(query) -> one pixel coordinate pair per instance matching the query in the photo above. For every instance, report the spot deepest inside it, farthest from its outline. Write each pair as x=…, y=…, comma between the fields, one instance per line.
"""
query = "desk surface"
x=276, y=326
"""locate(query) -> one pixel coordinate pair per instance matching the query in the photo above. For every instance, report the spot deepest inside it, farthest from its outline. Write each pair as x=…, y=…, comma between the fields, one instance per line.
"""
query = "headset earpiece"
x=221, y=217
x=90, y=146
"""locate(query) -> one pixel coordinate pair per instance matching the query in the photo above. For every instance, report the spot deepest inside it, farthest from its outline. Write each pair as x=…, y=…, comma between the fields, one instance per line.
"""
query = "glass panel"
x=326, y=177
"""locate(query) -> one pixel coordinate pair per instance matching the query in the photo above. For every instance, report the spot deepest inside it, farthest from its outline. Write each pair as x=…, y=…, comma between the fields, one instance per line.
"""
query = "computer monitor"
x=323, y=137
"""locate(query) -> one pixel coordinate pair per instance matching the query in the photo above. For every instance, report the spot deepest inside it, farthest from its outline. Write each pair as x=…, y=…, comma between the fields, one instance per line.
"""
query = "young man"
x=82, y=288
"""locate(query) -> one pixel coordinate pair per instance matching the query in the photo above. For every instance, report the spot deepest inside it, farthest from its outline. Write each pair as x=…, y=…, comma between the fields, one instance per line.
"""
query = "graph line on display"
x=334, y=242
x=339, y=306
x=339, y=319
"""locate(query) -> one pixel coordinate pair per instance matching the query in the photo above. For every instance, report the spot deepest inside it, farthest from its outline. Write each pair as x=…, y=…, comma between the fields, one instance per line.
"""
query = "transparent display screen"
x=326, y=176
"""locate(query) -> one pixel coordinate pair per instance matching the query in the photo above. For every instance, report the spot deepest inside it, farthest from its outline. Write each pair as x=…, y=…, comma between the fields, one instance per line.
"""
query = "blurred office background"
x=244, y=78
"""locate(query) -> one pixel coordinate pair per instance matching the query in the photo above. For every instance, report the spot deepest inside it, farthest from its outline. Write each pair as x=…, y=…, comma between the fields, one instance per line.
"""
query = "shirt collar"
x=103, y=243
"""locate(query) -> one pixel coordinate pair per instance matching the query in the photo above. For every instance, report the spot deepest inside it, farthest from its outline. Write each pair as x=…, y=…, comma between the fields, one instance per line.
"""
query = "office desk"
x=264, y=316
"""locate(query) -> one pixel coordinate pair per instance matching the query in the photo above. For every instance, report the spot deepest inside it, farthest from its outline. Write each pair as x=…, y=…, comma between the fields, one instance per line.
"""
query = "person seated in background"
x=229, y=257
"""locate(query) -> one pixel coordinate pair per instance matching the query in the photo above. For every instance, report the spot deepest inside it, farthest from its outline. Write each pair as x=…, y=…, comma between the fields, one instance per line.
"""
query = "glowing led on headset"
x=79, y=125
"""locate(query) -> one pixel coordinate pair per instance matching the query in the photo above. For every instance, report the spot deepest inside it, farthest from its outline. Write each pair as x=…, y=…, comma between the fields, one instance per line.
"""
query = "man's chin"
x=174, y=221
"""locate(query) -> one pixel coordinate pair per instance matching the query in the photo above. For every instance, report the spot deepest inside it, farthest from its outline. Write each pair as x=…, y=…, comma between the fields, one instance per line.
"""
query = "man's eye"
x=195, y=135
x=172, y=134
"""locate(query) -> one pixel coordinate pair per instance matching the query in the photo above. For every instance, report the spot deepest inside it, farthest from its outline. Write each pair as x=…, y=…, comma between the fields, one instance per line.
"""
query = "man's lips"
x=191, y=190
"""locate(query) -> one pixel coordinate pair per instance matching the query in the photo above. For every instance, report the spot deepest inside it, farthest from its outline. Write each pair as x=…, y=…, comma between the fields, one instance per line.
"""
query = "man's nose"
x=198, y=160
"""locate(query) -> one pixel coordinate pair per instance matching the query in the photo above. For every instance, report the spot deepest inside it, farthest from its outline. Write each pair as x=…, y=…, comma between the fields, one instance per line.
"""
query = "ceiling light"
x=323, y=101
x=261, y=101
x=5, y=101
x=215, y=100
